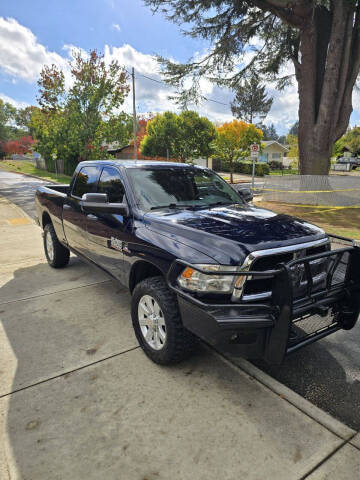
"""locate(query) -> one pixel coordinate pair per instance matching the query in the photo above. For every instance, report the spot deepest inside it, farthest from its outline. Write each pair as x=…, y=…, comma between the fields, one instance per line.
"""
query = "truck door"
x=108, y=233
x=74, y=219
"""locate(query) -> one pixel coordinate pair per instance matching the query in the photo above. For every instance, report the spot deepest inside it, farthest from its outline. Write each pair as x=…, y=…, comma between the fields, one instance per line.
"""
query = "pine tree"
x=251, y=101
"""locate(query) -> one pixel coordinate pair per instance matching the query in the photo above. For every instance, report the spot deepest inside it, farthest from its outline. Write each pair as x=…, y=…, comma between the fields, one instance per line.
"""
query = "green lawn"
x=343, y=221
x=286, y=171
x=22, y=166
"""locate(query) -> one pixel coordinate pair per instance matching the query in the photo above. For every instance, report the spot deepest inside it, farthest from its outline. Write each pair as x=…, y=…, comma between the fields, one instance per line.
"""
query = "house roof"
x=114, y=146
x=267, y=143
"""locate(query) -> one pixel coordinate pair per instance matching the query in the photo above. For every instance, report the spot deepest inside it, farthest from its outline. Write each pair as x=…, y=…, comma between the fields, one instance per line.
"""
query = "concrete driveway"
x=80, y=400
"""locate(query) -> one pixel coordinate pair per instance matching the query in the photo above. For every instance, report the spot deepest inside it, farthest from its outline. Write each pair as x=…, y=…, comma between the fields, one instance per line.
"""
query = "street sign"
x=254, y=150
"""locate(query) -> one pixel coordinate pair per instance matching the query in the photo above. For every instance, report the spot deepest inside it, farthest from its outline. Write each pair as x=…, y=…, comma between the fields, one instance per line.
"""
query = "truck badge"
x=116, y=244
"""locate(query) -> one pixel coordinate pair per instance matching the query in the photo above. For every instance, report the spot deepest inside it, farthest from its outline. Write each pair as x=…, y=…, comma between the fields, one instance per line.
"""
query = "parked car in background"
x=353, y=161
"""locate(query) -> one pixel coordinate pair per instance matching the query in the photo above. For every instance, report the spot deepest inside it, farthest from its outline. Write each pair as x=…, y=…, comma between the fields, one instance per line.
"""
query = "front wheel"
x=56, y=254
x=157, y=323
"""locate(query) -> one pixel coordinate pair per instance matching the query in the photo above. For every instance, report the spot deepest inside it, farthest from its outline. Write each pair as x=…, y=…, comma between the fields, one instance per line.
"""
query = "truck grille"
x=261, y=288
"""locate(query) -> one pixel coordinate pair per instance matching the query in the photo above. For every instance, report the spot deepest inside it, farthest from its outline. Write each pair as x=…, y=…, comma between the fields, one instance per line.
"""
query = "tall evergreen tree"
x=321, y=38
x=251, y=101
x=269, y=132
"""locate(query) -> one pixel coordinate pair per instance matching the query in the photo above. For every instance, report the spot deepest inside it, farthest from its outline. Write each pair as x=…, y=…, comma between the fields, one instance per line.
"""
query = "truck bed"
x=55, y=188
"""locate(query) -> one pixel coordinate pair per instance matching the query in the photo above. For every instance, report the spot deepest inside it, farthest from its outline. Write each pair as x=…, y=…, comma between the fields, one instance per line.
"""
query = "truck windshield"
x=176, y=187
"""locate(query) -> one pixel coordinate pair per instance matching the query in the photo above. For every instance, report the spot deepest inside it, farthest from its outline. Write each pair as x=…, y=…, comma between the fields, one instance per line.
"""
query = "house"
x=273, y=151
x=127, y=153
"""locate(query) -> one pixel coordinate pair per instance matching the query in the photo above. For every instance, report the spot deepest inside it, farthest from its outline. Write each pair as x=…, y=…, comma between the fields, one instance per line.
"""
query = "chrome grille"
x=255, y=289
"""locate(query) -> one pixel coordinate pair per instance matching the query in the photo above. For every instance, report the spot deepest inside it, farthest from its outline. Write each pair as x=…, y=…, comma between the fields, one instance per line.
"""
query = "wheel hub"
x=49, y=246
x=152, y=323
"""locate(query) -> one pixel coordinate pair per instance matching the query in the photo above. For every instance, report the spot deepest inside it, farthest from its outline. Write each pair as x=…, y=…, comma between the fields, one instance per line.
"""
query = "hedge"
x=261, y=169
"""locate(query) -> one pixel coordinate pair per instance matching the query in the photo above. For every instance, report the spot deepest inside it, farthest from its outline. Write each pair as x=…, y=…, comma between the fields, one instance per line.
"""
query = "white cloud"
x=284, y=111
x=12, y=101
x=22, y=56
x=116, y=26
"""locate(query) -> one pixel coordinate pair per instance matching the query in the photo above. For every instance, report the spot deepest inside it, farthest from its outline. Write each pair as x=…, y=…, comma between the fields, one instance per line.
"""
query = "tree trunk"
x=231, y=170
x=326, y=76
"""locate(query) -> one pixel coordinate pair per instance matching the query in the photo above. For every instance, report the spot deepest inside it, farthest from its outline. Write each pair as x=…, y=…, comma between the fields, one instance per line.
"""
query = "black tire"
x=61, y=255
x=179, y=343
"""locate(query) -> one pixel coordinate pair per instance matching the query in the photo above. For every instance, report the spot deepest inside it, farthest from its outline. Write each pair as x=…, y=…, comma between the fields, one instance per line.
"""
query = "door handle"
x=90, y=216
x=66, y=207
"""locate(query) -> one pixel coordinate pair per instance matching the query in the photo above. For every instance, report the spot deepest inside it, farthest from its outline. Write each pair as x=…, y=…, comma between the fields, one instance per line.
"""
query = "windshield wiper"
x=171, y=205
x=216, y=204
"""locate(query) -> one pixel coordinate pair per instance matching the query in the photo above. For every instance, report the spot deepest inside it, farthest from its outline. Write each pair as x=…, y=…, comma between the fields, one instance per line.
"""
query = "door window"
x=85, y=181
x=110, y=182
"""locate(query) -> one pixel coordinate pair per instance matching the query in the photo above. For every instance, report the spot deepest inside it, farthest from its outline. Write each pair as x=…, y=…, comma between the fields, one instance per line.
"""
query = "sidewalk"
x=238, y=177
x=79, y=399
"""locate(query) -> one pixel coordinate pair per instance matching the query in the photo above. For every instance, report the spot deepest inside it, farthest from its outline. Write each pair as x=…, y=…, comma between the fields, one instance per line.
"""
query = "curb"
x=325, y=419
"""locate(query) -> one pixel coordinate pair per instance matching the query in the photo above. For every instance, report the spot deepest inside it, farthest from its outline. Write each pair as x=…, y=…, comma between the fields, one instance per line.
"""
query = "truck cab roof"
x=129, y=163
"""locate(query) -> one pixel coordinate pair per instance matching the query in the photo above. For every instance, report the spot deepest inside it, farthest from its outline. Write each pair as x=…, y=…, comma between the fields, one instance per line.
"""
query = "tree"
x=182, y=136
x=292, y=142
x=7, y=115
x=269, y=132
x=320, y=37
x=251, y=101
x=233, y=141
x=23, y=117
x=21, y=146
x=74, y=123
x=350, y=140
x=161, y=135
x=294, y=130
x=119, y=128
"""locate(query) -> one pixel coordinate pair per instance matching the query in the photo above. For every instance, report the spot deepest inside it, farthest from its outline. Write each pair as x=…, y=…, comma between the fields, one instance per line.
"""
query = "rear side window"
x=110, y=182
x=86, y=181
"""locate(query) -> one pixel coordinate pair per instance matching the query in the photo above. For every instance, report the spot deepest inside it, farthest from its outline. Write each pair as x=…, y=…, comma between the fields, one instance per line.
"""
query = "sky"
x=43, y=32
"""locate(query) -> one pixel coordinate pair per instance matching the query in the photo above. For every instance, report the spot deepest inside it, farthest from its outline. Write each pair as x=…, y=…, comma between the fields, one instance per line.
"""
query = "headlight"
x=193, y=280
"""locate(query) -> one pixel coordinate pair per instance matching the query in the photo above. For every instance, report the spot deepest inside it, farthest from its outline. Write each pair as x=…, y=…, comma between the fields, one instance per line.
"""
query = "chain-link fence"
x=336, y=190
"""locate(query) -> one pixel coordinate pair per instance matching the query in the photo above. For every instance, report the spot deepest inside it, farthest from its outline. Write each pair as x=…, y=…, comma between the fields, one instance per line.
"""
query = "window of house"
x=276, y=156
x=85, y=181
x=110, y=182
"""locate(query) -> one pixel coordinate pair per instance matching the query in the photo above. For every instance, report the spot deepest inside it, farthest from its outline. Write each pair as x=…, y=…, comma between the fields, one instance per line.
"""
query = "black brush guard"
x=268, y=330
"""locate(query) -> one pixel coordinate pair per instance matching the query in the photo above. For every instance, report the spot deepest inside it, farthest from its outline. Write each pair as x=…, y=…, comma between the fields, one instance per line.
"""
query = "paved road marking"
x=19, y=221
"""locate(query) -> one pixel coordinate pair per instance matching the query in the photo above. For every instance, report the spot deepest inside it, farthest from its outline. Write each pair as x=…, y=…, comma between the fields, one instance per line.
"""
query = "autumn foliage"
x=21, y=146
x=234, y=139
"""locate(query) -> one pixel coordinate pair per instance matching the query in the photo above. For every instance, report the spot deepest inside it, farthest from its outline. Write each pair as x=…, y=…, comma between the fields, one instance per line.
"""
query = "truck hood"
x=229, y=233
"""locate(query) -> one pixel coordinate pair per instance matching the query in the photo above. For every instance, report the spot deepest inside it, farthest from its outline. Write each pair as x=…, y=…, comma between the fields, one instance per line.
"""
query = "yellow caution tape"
x=309, y=191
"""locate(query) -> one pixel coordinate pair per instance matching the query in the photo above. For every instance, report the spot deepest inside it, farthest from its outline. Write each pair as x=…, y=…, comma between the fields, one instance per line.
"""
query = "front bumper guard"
x=263, y=330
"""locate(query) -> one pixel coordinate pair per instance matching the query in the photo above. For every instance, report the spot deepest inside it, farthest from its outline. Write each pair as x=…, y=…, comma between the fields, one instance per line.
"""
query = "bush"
x=294, y=165
x=275, y=165
x=261, y=169
x=245, y=167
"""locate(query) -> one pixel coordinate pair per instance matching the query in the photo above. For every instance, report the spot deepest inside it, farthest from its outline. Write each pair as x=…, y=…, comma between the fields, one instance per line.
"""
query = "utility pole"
x=134, y=111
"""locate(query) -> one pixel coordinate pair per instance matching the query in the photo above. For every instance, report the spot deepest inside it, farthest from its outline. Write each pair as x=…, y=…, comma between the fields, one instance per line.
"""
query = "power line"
x=164, y=83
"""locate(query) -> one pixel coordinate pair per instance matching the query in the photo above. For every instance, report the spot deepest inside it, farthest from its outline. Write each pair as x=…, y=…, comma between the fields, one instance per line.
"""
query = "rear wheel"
x=56, y=254
x=157, y=323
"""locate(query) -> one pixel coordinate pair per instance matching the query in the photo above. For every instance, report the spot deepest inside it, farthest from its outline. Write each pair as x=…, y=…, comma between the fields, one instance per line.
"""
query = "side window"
x=85, y=181
x=110, y=182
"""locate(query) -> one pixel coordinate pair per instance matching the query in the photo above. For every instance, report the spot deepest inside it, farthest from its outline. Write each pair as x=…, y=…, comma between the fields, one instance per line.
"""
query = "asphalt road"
x=327, y=373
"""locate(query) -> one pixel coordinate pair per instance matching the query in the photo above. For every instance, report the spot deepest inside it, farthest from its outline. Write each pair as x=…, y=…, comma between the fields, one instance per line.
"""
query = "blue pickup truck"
x=200, y=261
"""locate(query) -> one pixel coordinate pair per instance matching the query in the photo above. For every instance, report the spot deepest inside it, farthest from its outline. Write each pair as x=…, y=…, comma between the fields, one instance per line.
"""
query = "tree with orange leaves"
x=233, y=141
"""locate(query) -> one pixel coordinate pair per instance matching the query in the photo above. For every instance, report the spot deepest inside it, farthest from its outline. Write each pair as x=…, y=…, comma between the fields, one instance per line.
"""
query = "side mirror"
x=99, y=202
x=94, y=198
x=246, y=194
